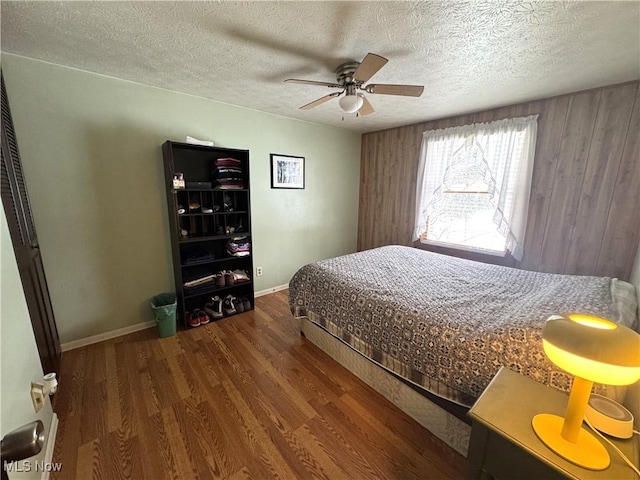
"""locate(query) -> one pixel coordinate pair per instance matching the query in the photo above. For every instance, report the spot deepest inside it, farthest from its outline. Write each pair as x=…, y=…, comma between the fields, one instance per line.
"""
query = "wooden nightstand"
x=504, y=445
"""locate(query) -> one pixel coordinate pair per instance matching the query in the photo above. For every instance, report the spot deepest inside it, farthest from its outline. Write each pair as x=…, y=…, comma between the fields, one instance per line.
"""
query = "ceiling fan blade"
x=366, y=108
x=313, y=82
x=405, y=90
x=368, y=67
x=320, y=101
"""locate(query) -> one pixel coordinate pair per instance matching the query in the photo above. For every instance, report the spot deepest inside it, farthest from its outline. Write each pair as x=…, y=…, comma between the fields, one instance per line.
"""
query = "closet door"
x=25, y=244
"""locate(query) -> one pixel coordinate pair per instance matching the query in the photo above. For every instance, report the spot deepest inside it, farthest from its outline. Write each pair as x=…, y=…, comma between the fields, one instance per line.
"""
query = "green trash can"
x=164, y=308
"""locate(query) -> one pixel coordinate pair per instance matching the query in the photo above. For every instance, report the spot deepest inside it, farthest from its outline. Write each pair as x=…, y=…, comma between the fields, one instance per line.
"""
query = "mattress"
x=444, y=323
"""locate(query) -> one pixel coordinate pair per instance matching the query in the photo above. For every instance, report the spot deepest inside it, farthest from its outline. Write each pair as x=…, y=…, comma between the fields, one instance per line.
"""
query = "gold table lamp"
x=594, y=350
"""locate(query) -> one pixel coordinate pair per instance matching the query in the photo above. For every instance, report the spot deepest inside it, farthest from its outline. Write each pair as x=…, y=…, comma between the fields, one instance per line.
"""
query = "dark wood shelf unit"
x=214, y=237
x=206, y=262
x=208, y=232
x=213, y=290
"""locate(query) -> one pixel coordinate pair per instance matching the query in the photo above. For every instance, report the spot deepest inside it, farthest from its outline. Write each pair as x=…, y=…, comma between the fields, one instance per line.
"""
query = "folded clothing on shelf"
x=228, y=173
x=238, y=247
x=231, y=184
x=227, y=162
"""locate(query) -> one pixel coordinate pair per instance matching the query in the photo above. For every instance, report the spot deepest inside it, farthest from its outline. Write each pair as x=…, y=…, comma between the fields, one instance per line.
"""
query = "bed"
x=442, y=324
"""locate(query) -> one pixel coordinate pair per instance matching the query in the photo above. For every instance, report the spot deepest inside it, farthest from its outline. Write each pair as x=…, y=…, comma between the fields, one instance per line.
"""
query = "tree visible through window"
x=473, y=186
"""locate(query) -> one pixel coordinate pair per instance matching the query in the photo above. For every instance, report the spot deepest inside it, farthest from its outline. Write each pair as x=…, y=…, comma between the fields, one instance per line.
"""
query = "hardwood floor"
x=244, y=397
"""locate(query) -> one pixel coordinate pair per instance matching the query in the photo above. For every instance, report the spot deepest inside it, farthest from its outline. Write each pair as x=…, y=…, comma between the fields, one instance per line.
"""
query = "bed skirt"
x=444, y=425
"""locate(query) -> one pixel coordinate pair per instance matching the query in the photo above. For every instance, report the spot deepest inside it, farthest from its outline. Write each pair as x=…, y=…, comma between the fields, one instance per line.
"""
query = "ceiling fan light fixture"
x=351, y=103
x=351, y=77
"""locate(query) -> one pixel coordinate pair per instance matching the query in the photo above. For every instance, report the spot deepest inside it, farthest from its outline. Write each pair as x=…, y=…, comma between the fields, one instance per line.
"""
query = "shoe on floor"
x=196, y=316
x=214, y=308
x=239, y=306
x=192, y=320
x=204, y=318
x=217, y=306
x=246, y=304
x=227, y=305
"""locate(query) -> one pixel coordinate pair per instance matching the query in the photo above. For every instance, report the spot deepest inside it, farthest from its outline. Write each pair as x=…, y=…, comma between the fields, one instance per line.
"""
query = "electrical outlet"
x=37, y=396
x=258, y=271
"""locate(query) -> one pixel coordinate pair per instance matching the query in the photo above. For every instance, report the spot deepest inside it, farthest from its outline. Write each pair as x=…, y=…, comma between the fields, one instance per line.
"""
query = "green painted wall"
x=91, y=150
x=19, y=359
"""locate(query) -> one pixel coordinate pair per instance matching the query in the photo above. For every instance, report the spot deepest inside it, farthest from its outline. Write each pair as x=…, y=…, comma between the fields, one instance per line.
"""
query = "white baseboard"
x=271, y=290
x=51, y=443
x=101, y=337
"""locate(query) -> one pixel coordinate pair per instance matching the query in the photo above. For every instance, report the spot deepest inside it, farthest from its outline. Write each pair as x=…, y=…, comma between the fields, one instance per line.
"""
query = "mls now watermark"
x=35, y=466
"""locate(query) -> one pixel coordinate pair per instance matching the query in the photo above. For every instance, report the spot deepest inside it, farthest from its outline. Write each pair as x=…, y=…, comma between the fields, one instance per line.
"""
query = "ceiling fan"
x=351, y=77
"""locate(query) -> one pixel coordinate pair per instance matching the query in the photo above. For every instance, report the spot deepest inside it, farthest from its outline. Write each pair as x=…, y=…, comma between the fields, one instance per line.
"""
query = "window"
x=473, y=186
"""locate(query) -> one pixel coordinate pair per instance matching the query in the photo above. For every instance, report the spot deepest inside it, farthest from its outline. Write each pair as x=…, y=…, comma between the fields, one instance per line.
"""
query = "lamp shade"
x=350, y=103
x=593, y=348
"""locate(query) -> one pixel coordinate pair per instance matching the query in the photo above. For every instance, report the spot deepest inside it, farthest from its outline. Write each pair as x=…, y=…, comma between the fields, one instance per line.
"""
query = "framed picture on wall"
x=287, y=171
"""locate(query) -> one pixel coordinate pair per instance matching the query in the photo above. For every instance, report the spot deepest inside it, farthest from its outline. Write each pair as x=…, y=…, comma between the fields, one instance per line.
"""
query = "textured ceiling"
x=470, y=55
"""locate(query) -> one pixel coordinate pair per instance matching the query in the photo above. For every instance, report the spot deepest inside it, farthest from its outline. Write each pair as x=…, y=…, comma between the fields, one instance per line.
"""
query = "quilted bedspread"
x=444, y=323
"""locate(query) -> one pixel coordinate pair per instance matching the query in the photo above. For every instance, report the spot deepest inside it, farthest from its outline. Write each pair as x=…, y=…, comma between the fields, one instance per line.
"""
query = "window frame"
x=465, y=248
x=459, y=246
x=501, y=256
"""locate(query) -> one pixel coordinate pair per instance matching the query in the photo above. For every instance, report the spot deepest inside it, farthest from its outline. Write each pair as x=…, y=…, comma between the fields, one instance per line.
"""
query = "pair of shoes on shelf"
x=191, y=320
x=242, y=304
x=214, y=308
x=232, y=305
x=228, y=230
x=215, y=208
x=225, y=278
x=197, y=318
x=240, y=276
x=218, y=308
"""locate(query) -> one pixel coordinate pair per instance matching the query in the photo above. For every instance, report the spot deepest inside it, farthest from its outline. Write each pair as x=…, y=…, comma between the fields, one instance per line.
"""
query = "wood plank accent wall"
x=584, y=209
